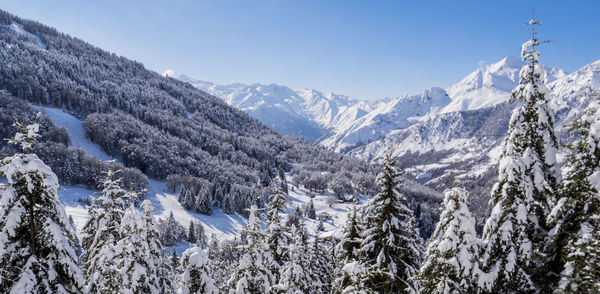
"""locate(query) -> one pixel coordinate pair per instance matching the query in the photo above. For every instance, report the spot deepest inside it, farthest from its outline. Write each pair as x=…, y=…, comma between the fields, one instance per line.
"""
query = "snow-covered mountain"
x=489, y=85
x=302, y=112
x=343, y=124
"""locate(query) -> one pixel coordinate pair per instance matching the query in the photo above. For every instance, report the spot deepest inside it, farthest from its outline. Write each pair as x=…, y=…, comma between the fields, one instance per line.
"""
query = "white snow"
x=18, y=28
x=78, y=139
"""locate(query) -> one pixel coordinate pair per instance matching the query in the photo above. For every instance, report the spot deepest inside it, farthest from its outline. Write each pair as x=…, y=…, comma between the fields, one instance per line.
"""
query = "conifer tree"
x=174, y=260
x=276, y=235
x=451, y=264
x=102, y=232
x=139, y=253
x=204, y=203
x=390, y=250
x=321, y=271
x=253, y=274
x=310, y=210
x=347, y=256
x=36, y=240
x=195, y=268
x=295, y=277
x=528, y=177
x=191, y=233
x=200, y=235
x=575, y=243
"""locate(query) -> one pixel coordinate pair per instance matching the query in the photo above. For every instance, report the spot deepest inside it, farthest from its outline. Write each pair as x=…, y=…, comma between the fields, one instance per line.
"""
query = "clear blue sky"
x=365, y=49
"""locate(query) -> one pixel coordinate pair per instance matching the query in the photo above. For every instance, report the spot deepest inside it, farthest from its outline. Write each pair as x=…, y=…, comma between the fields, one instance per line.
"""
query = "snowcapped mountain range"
x=343, y=123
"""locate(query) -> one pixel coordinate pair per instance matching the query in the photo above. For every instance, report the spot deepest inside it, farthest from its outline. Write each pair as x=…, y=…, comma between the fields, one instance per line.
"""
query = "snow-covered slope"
x=221, y=224
x=17, y=28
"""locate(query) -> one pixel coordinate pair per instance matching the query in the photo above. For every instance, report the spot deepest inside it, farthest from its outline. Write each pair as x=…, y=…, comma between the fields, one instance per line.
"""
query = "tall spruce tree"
x=253, y=274
x=451, y=261
x=390, y=250
x=295, y=276
x=346, y=256
x=102, y=233
x=277, y=237
x=36, y=240
x=139, y=256
x=575, y=242
x=321, y=271
x=191, y=236
x=528, y=178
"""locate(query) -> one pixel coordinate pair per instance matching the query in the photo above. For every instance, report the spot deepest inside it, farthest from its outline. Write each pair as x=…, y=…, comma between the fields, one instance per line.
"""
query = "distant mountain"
x=489, y=85
x=302, y=112
x=342, y=123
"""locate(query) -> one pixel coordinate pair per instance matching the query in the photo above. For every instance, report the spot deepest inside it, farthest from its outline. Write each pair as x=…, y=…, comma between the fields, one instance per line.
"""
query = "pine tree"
x=277, y=238
x=138, y=256
x=253, y=274
x=102, y=234
x=320, y=267
x=191, y=233
x=575, y=243
x=347, y=257
x=200, y=234
x=310, y=210
x=451, y=259
x=295, y=276
x=390, y=250
x=528, y=177
x=204, y=201
x=320, y=226
x=195, y=268
x=174, y=260
x=36, y=240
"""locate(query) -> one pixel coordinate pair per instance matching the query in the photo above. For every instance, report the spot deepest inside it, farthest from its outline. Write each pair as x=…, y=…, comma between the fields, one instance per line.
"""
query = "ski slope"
x=224, y=226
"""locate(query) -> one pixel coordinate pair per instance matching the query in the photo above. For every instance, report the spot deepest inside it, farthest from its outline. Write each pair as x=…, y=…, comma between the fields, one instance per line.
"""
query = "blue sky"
x=365, y=49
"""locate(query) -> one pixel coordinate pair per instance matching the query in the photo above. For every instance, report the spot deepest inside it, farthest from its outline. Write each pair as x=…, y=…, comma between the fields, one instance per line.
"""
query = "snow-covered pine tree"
x=187, y=198
x=321, y=271
x=295, y=276
x=174, y=260
x=36, y=248
x=277, y=238
x=451, y=261
x=195, y=268
x=528, y=178
x=191, y=236
x=154, y=252
x=253, y=274
x=390, y=250
x=201, y=239
x=347, y=257
x=136, y=256
x=102, y=234
x=204, y=201
x=575, y=241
